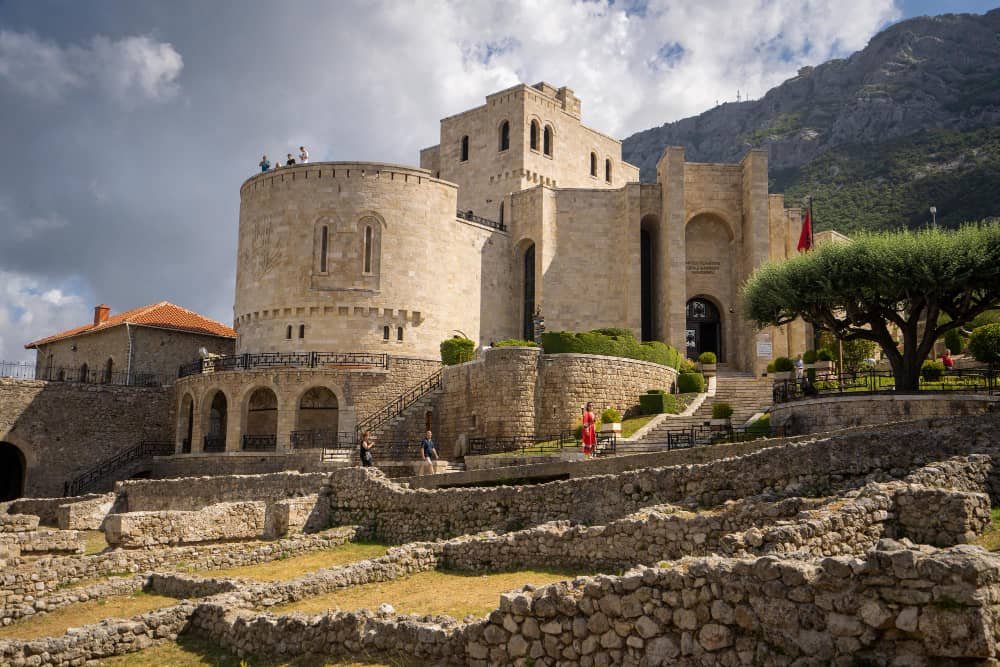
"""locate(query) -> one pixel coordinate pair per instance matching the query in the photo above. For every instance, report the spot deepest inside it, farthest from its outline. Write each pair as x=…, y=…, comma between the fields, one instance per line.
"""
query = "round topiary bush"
x=984, y=344
x=611, y=416
x=690, y=383
x=824, y=354
x=457, y=350
x=954, y=341
x=707, y=358
x=722, y=411
x=809, y=357
x=931, y=370
x=783, y=365
x=770, y=367
x=515, y=342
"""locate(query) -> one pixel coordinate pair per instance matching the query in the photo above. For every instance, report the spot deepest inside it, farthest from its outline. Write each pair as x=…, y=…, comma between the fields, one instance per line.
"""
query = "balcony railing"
x=82, y=374
x=260, y=443
x=214, y=443
x=320, y=439
x=284, y=360
x=468, y=215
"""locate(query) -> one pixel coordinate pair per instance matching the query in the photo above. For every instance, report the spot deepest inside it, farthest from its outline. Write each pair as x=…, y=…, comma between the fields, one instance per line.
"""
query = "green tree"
x=860, y=290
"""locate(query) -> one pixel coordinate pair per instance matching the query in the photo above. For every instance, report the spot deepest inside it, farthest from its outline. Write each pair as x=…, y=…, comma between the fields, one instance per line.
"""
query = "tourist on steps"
x=588, y=434
x=365, y=449
x=427, y=451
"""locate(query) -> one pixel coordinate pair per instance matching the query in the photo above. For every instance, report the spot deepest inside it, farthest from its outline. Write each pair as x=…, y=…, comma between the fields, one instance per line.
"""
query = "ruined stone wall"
x=64, y=429
x=195, y=493
x=816, y=415
x=223, y=521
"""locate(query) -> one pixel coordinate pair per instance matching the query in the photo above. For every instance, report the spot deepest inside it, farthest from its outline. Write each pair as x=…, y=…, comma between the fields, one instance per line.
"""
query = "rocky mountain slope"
x=908, y=121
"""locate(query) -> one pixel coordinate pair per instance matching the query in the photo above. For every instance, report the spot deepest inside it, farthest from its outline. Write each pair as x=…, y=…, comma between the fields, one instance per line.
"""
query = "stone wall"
x=941, y=517
x=64, y=429
x=85, y=514
x=816, y=415
x=194, y=493
x=224, y=521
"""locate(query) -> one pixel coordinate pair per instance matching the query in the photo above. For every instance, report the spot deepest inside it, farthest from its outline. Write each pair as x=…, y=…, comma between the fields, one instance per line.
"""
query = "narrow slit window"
x=302, y=331
x=399, y=333
x=288, y=332
x=385, y=333
x=504, y=136
x=534, y=135
x=607, y=170
x=593, y=164
x=501, y=213
x=547, y=141
x=465, y=148
x=324, y=242
x=368, y=249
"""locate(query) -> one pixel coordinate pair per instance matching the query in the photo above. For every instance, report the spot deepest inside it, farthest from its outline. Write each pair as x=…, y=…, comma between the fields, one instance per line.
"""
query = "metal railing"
x=398, y=405
x=468, y=215
x=260, y=443
x=29, y=371
x=214, y=443
x=283, y=360
x=607, y=443
x=694, y=436
x=88, y=480
x=966, y=380
x=320, y=439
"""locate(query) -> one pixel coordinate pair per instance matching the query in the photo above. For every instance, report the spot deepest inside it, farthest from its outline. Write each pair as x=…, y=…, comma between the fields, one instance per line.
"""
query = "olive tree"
x=864, y=288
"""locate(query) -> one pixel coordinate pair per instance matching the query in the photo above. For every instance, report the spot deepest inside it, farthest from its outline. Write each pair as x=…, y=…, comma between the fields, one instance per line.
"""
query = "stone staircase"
x=747, y=395
x=409, y=424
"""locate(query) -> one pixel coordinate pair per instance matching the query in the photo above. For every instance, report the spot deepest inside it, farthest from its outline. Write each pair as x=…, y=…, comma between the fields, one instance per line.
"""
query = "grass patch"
x=55, y=623
x=94, y=541
x=633, y=424
x=192, y=652
x=294, y=566
x=454, y=594
x=990, y=539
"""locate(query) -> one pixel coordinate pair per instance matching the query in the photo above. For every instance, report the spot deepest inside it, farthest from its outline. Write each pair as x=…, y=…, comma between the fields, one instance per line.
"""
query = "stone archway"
x=317, y=420
x=704, y=329
x=12, y=471
x=260, y=431
x=185, y=423
x=216, y=423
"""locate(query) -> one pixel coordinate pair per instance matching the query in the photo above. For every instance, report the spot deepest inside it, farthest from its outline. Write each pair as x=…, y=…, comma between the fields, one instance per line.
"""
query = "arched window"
x=547, y=141
x=504, y=135
x=399, y=333
x=465, y=148
x=302, y=331
x=534, y=135
x=324, y=242
x=368, y=249
x=288, y=332
x=593, y=164
x=385, y=332
x=607, y=170
x=109, y=369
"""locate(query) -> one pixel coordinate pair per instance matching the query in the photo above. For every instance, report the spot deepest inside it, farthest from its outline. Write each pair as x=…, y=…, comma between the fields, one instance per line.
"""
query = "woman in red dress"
x=588, y=435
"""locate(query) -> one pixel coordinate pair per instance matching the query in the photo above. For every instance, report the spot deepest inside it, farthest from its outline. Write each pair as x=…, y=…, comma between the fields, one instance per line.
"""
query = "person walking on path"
x=365, y=450
x=427, y=451
x=588, y=434
x=800, y=367
x=265, y=164
x=303, y=155
x=948, y=360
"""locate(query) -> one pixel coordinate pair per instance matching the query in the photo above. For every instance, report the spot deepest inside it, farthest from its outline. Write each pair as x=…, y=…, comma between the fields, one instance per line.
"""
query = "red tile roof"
x=163, y=315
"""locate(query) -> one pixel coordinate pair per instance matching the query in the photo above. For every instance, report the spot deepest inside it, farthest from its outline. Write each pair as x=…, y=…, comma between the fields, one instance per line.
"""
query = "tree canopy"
x=862, y=288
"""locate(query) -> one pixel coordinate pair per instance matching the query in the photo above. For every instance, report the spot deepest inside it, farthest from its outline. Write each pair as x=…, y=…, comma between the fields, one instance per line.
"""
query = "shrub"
x=760, y=426
x=770, y=367
x=809, y=357
x=687, y=366
x=457, y=350
x=954, y=341
x=931, y=370
x=655, y=391
x=985, y=344
x=722, y=411
x=982, y=319
x=653, y=402
x=621, y=344
x=615, y=332
x=515, y=342
x=691, y=383
x=707, y=358
x=824, y=354
x=783, y=365
x=611, y=416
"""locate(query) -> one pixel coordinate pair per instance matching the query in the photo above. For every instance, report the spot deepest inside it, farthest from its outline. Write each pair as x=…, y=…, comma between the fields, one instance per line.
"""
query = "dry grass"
x=192, y=652
x=450, y=593
x=294, y=566
x=94, y=541
x=55, y=623
x=990, y=539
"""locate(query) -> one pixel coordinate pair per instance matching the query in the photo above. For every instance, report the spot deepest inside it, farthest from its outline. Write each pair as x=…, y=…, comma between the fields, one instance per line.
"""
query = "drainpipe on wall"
x=128, y=366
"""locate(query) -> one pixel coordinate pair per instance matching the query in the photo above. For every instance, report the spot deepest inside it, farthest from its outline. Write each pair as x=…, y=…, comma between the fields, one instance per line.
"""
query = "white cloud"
x=31, y=309
x=129, y=70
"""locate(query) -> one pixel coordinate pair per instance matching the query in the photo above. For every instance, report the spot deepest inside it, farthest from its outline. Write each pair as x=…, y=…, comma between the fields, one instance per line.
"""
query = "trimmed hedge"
x=654, y=402
x=932, y=370
x=457, y=351
x=722, y=411
x=611, y=343
x=611, y=416
x=824, y=354
x=707, y=358
x=809, y=357
x=985, y=344
x=690, y=383
x=515, y=342
x=783, y=365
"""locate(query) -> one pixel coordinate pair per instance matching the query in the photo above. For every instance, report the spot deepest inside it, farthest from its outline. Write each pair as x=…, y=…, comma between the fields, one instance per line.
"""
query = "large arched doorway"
x=261, y=432
x=318, y=419
x=528, y=294
x=649, y=227
x=186, y=425
x=218, y=418
x=12, y=472
x=704, y=328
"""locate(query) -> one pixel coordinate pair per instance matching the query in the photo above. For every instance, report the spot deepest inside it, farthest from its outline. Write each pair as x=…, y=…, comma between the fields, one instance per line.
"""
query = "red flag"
x=806, y=237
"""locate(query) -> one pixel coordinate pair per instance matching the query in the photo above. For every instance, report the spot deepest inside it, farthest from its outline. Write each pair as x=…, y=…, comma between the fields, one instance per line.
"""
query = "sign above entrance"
x=703, y=267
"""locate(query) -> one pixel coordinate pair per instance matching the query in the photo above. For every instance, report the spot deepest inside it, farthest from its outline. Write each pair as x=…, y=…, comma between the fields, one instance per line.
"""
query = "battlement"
x=341, y=171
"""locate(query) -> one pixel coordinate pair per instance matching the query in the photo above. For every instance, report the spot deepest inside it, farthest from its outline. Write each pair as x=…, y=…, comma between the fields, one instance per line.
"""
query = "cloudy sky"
x=127, y=127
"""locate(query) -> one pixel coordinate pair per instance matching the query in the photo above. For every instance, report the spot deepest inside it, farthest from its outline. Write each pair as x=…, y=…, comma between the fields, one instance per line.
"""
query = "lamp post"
x=934, y=215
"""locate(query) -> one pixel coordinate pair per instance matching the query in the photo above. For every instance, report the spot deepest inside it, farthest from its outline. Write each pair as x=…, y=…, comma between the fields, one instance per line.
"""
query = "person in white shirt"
x=303, y=155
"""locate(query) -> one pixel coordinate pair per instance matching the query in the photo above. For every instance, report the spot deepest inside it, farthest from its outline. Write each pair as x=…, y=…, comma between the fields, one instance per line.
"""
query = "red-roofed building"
x=137, y=346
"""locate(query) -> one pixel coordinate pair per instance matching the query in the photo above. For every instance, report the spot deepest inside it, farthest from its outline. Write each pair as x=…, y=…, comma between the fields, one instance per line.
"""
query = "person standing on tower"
x=290, y=161
x=265, y=164
x=303, y=155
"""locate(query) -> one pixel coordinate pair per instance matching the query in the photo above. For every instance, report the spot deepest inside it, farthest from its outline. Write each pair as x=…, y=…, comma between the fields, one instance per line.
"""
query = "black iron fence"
x=966, y=380
x=468, y=215
x=89, y=480
x=399, y=404
x=320, y=439
x=534, y=445
x=214, y=443
x=260, y=443
x=283, y=360
x=83, y=374
x=695, y=436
